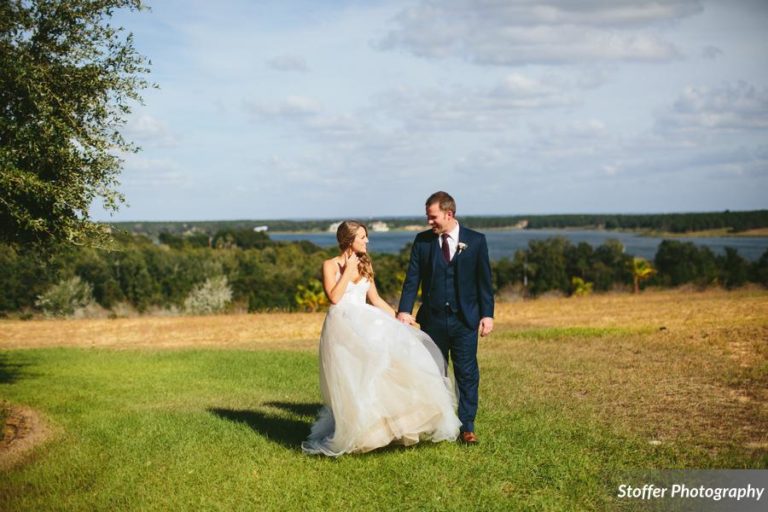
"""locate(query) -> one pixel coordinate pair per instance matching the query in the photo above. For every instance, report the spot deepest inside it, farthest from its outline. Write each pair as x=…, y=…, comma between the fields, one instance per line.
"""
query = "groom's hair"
x=447, y=204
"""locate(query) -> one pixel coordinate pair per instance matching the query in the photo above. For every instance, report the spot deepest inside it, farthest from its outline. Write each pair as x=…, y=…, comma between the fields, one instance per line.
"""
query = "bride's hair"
x=345, y=235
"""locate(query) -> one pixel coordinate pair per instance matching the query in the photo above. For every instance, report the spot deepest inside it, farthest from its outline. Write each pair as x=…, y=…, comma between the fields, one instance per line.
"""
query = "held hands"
x=486, y=326
x=406, y=318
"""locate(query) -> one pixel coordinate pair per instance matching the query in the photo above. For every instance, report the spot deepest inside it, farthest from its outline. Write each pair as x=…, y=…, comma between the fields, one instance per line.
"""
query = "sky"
x=361, y=109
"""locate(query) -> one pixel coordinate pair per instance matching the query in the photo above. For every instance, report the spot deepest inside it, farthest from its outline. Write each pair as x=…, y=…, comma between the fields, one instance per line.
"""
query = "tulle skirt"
x=381, y=382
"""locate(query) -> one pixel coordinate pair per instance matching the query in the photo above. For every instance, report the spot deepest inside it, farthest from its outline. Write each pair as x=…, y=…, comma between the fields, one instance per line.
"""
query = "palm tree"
x=641, y=270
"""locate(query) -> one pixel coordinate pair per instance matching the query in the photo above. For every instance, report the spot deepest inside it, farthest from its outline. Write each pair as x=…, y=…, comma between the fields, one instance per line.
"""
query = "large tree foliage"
x=67, y=81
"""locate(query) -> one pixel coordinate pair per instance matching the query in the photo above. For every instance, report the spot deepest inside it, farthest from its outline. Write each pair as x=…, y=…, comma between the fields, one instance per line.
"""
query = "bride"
x=381, y=381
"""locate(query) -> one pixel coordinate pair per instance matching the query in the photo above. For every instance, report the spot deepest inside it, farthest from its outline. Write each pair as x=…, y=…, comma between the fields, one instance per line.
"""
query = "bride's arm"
x=376, y=300
x=334, y=289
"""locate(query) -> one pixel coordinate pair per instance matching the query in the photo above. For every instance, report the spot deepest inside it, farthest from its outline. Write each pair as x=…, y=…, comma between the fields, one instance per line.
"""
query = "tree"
x=760, y=270
x=548, y=265
x=579, y=259
x=136, y=284
x=242, y=238
x=734, y=269
x=641, y=270
x=611, y=265
x=67, y=81
x=683, y=262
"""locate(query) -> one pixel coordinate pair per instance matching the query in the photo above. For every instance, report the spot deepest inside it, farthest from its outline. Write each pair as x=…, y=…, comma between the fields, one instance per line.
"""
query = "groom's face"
x=438, y=220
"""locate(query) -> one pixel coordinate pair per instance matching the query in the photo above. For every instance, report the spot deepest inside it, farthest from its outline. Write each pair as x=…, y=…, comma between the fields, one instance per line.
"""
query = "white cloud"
x=290, y=107
x=336, y=126
x=140, y=172
x=703, y=164
x=497, y=107
x=601, y=13
x=149, y=131
x=515, y=32
x=730, y=107
x=575, y=129
x=288, y=63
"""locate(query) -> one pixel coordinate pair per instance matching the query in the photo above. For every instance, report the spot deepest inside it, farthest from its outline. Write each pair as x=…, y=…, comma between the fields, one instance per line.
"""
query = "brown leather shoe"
x=468, y=438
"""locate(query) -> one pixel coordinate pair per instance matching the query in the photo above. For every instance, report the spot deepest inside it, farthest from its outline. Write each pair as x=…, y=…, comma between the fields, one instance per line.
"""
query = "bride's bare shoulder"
x=331, y=263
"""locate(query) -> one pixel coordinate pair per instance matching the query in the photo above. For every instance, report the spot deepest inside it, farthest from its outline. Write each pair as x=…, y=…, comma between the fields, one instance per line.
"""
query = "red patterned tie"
x=446, y=250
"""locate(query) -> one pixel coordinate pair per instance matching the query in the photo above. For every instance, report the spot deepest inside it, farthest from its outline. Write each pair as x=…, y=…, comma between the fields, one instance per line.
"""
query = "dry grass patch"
x=654, y=309
x=22, y=430
x=670, y=366
x=262, y=330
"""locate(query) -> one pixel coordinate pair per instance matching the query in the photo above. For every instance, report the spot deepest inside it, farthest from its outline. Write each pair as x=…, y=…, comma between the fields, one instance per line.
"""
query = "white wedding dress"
x=382, y=381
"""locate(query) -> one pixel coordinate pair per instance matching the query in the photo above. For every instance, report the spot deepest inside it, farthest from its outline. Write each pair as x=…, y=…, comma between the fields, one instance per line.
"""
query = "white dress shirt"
x=453, y=240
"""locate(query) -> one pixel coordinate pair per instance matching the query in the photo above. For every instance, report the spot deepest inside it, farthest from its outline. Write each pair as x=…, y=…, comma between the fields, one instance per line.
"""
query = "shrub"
x=64, y=298
x=311, y=297
x=580, y=287
x=212, y=296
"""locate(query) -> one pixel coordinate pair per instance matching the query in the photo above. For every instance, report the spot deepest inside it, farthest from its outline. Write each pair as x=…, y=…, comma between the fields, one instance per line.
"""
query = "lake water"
x=504, y=243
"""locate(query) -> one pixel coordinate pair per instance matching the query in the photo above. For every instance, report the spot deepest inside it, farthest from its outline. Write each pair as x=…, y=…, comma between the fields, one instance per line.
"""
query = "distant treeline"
x=552, y=264
x=663, y=222
x=248, y=271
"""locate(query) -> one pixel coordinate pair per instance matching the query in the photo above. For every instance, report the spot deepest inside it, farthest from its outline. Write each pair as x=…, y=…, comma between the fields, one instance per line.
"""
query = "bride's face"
x=360, y=245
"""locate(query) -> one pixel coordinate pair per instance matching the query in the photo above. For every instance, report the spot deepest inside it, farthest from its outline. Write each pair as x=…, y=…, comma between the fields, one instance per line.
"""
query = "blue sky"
x=294, y=109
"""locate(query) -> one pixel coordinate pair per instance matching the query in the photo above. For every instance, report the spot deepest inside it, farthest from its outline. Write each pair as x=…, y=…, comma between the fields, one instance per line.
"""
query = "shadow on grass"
x=290, y=432
x=284, y=431
x=298, y=409
x=10, y=371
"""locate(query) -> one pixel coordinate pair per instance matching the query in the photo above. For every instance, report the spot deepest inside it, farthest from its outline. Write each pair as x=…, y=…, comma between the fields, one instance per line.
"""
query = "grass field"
x=207, y=413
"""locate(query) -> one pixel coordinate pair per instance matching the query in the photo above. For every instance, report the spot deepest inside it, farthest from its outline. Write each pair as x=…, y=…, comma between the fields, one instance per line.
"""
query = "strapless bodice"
x=355, y=292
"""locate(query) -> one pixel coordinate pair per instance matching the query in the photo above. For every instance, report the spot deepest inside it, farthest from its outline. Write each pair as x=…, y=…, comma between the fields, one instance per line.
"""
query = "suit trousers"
x=458, y=343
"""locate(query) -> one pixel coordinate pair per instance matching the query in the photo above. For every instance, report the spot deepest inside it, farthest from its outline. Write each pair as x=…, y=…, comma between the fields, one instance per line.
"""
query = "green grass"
x=220, y=430
x=3, y=416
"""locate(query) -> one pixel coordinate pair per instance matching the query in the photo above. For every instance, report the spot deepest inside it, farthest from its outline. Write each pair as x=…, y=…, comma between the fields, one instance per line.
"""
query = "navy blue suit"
x=454, y=297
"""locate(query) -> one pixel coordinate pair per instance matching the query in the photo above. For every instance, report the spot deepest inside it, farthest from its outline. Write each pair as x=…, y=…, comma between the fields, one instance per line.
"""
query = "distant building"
x=379, y=226
x=261, y=229
x=522, y=224
x=193, y=231
x=374, y=226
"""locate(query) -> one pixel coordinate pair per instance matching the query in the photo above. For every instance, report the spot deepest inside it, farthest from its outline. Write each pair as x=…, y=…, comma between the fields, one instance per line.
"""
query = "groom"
x=450, y=262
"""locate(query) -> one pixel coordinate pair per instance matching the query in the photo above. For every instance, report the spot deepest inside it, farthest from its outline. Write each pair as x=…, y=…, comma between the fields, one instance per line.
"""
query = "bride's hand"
x=350, y=261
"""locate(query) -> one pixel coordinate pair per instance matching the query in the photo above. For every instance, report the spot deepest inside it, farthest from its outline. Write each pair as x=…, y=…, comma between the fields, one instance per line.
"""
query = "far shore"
x=710, y=233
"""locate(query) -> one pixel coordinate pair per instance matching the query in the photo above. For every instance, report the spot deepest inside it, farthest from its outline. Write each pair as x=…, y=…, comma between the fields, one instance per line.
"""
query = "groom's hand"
x=486, y=326
x=406, y=318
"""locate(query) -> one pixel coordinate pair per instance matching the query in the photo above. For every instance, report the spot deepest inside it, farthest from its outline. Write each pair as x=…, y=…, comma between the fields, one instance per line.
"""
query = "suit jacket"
x=473, y=276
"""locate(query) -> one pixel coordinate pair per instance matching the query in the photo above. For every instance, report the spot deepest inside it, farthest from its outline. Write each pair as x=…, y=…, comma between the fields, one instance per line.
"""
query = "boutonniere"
x=461, y=247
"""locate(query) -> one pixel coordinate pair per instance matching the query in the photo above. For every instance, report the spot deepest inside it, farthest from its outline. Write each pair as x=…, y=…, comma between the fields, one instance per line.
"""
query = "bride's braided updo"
x=345, y=236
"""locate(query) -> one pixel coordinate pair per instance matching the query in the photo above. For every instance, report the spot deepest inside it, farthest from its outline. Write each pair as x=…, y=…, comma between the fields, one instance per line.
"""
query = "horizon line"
x=385, y=217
